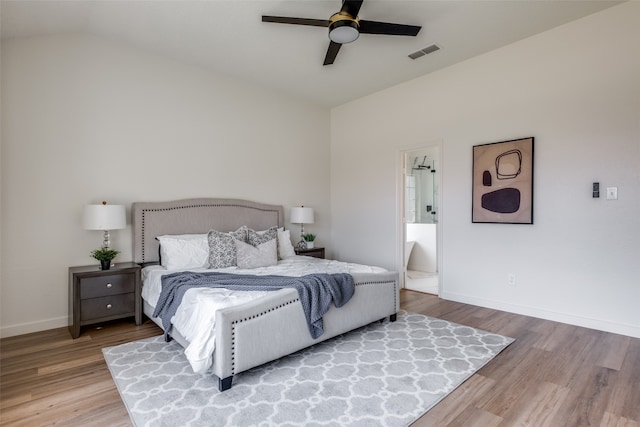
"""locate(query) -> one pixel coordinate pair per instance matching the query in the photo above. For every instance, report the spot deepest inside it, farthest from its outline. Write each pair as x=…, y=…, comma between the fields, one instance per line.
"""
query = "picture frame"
x=503, y=182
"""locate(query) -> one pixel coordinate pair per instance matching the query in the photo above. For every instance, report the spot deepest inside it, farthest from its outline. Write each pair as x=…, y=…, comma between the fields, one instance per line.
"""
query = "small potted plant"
x=309, y=238
x=105, y=255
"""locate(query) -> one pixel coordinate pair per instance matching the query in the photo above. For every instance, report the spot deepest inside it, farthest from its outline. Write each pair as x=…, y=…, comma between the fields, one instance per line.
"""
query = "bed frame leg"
x=224, y=383
x=393, y=317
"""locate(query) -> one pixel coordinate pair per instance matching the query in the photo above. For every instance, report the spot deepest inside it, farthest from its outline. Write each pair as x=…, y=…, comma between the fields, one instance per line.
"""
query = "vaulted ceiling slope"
x=228, y=37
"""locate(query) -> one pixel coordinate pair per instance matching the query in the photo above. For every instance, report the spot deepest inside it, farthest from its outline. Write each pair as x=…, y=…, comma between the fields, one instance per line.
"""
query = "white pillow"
x=263, y=255
x=182, y=251
x=285, y=248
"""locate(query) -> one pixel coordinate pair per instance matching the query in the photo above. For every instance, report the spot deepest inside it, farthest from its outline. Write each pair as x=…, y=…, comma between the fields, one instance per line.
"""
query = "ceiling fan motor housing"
x=343, y=28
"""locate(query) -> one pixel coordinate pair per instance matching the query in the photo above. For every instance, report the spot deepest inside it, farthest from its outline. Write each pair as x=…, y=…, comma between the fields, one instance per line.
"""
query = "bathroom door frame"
x=401, y=192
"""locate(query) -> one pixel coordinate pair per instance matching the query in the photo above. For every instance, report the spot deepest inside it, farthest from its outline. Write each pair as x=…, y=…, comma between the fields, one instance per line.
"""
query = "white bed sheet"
x=195, y=318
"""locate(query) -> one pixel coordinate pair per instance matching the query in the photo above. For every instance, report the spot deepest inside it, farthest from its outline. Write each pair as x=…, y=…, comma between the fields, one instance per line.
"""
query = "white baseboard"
x=586, y=322
x=27, y=328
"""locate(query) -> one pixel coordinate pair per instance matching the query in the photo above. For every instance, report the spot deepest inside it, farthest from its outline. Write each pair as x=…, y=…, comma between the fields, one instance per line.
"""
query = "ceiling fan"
x=345, y=27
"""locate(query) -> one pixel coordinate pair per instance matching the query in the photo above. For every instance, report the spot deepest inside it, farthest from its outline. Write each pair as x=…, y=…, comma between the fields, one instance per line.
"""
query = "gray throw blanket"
x=316, y=292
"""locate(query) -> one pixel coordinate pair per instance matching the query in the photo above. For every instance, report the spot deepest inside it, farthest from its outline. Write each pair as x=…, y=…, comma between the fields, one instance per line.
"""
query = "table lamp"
x=104, y=217
x=301, y=215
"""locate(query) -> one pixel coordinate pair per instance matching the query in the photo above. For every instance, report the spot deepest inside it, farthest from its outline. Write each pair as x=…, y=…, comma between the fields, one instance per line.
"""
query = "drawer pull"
x=109, y=285
x=108, y=306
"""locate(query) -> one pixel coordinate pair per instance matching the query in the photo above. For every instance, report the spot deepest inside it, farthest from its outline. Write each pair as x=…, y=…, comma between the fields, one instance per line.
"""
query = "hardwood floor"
x=49, y=379
x=552, y=375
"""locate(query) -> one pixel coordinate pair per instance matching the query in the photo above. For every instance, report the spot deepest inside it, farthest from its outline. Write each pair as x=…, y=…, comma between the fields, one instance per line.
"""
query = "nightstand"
x=97, y=295
x=315, y=252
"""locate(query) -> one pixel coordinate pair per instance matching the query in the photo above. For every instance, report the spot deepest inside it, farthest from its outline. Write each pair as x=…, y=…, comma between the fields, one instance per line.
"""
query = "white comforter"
x=195, y=318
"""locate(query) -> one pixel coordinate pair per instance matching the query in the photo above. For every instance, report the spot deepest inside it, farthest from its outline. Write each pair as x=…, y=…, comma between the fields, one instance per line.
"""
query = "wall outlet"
x=511, y=279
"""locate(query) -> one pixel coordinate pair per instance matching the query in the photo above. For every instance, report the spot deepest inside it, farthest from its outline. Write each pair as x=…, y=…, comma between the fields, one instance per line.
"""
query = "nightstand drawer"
x=114, y=284
x=96, y=308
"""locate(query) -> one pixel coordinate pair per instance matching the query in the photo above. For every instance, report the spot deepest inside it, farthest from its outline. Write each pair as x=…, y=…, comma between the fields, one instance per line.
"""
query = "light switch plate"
x=612, y=193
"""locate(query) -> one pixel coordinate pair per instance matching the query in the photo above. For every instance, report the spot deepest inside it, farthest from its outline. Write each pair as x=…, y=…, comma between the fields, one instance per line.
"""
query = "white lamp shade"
x=301, y=215
x=104, y=217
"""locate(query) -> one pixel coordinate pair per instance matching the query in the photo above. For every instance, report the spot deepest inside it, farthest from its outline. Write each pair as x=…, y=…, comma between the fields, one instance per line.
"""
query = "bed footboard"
x=275, y=326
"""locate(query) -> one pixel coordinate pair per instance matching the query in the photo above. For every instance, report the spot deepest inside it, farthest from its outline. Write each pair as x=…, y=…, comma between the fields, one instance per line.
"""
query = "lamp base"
x=302, y=244
x=106, y=241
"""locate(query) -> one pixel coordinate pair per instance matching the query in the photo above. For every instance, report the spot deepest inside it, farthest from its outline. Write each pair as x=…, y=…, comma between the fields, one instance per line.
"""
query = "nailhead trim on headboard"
x=197, y=205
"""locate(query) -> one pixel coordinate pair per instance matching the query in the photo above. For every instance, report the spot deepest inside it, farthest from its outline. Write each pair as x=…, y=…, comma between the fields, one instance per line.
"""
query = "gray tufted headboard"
x=190, y=216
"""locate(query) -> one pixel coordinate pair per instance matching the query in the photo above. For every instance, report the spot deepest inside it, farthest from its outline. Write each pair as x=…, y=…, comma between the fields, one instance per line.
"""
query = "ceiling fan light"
x=344, y=31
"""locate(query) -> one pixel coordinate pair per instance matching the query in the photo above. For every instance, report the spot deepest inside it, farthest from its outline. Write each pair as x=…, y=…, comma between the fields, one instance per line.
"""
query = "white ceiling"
x=227, y=36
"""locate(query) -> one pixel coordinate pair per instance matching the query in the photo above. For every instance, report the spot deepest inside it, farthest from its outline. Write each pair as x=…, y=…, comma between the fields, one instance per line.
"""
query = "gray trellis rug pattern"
x=384, y=374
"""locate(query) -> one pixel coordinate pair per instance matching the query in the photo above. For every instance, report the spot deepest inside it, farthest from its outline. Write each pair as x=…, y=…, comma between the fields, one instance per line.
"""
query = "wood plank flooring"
x=49, y=379
x=552, y=375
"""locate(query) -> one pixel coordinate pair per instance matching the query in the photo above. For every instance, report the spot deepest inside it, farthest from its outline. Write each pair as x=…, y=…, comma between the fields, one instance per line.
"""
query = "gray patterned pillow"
x=256, y=238
x=262, y=255
x=222, y=247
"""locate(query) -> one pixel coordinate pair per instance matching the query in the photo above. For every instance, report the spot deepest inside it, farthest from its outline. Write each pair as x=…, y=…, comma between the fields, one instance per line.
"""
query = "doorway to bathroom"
x=421, y=216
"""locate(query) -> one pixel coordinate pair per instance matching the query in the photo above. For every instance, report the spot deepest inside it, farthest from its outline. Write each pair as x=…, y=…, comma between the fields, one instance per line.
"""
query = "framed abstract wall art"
x=503, y=182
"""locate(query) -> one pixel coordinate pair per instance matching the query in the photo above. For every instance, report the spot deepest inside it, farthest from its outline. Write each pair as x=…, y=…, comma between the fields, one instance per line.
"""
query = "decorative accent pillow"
x=222, y=248
x=256, y=238
x=183, y=251
x=285, y=248
x=263, y=255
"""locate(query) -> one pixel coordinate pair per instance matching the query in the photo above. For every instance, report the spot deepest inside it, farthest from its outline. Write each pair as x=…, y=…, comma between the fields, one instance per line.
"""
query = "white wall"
x=86, y=120
x=576, y=89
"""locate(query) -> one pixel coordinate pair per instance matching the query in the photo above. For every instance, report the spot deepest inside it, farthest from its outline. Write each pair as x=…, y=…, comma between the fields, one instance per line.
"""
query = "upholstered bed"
x=271, y=325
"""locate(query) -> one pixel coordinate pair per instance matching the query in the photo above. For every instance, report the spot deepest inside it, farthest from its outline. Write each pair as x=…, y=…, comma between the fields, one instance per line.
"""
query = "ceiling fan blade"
x=332, y=52
x=296, y=21
x=352, y=7
x=374, y=27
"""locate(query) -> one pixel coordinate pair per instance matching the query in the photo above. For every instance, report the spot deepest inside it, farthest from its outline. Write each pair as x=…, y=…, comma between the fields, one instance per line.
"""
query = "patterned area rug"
x=385, y=374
